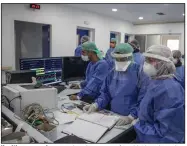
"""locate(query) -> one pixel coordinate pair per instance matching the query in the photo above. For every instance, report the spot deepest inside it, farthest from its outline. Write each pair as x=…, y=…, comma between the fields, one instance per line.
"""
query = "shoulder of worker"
x=103, y=64
x=79, y=47
x=110, y=50
x=168, y=86
x=135, y=66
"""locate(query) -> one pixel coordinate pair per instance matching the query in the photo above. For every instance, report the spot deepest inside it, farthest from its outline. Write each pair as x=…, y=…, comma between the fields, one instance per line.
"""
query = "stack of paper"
x=100, y=119
x=86, y=130
x=91, y=127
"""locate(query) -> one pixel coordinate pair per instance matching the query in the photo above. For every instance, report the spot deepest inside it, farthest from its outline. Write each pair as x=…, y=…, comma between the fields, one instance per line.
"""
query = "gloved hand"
x=34, y=80
x=90, y=108
x=74, y=86
x=125, y=120
x=73, y=97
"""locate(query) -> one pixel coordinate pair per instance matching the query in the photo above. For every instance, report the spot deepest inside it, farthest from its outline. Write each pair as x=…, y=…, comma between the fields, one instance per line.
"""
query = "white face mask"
x=84, y=58
x=175, y=61
x=122, y=66
x=149, y=69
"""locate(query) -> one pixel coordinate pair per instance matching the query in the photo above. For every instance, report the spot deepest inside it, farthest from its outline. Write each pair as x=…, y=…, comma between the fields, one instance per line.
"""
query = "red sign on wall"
x=35, y=6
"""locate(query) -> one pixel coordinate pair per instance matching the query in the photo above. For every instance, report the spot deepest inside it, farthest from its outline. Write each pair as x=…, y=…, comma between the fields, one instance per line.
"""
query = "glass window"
x=173, y=44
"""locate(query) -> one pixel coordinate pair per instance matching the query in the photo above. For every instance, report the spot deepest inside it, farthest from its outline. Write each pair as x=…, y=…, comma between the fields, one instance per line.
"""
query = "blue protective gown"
x=138, y=58
x=180, y=75
x=121, y=91
x=95, y=75
x=78, y=51
x=109, y=58
x=161, y=114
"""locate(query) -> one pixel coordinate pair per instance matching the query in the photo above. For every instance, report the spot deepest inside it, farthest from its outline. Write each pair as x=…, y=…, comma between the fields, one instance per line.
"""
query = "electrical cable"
x=7, y=100
x=38, y=110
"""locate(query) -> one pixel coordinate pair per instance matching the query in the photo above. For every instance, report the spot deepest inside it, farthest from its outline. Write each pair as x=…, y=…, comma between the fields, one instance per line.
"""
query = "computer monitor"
x=48, y=70
x=74, y=68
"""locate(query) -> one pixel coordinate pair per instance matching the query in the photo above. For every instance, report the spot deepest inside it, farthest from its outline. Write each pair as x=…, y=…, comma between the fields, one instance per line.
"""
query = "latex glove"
x=74, y=86
x=73, y=97
x=124, y=120
x=34, y=80
x=90, y=108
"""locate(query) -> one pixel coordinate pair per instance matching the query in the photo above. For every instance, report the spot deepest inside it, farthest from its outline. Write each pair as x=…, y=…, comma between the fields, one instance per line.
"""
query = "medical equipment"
x=21, y=95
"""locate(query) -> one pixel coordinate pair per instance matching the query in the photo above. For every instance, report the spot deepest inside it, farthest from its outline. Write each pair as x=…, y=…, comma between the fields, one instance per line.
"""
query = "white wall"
x=162, y=29
x=64, y=21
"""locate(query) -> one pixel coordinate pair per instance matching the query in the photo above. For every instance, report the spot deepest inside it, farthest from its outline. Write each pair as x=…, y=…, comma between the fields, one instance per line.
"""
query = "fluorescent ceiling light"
x=114, y=10
x=140, y=18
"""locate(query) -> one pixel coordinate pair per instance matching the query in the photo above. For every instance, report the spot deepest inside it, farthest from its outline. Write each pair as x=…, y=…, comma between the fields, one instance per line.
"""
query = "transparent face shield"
x=122, y=61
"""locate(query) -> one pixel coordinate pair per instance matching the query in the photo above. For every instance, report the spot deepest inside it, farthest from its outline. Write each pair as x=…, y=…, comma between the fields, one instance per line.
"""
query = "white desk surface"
x=64, y=99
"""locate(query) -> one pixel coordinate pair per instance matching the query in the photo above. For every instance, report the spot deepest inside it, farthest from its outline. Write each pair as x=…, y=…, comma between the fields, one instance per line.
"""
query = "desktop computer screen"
x=74, y=68
x=48, y=70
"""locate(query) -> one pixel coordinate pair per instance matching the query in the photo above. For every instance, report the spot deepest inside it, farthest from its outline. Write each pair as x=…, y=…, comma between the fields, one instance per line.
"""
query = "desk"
x=114, y=135
x=26, y=127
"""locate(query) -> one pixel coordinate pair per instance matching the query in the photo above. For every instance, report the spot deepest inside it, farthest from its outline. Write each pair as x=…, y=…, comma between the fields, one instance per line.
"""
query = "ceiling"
x=131, y=12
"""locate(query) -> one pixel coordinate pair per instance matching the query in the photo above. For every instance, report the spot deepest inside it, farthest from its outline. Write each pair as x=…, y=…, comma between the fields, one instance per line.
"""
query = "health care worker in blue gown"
x=78, y=50
x=96, y=72
x=161, y=115
x=138, y=57
x=177, y=60
x=120, y=89
x=108, y=56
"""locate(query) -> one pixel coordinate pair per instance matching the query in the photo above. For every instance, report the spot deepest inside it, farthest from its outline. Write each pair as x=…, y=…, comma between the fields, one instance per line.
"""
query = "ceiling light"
x=166, y=4
x=183, y=14
x=140, y=18
x=114, y=10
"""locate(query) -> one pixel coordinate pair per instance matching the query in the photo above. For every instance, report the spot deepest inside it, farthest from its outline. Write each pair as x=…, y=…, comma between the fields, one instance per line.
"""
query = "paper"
x=64, y=118
x=101, y=119
x=86, y=130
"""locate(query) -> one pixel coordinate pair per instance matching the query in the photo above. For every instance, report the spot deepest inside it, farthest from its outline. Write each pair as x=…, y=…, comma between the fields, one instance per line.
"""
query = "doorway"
x=116, y=35
x=32, y=40
x=83, y=31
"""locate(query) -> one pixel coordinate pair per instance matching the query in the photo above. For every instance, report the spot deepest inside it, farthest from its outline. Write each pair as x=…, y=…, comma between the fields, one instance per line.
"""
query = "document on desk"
x=64, y=118
x=107, y=121
x=86, y=130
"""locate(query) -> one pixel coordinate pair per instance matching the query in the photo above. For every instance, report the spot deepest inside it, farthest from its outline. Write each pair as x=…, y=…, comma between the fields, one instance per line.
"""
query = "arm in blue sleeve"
x=143, y=82
x=96, y=80
x=104, y=98
x=83, y=84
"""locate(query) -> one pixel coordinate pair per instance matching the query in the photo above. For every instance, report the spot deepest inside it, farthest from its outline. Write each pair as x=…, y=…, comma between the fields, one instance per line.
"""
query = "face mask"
x=175, y=61
x=149, y=69
x=84, y=58
x=122, y=66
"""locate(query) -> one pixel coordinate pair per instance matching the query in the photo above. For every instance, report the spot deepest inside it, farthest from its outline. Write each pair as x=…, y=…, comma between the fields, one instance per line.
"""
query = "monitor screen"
x=74, y=68
x=48, y=70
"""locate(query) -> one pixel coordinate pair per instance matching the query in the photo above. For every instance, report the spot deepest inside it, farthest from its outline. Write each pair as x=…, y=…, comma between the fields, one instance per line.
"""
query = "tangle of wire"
x=38, y=110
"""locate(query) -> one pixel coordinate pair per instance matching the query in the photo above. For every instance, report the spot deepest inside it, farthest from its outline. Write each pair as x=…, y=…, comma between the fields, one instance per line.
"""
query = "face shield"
x=122, y=61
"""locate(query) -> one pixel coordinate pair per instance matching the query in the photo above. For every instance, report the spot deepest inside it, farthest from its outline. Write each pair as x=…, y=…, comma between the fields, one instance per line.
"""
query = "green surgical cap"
x=90, y=46
x=113, y=40
x=123, y=48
